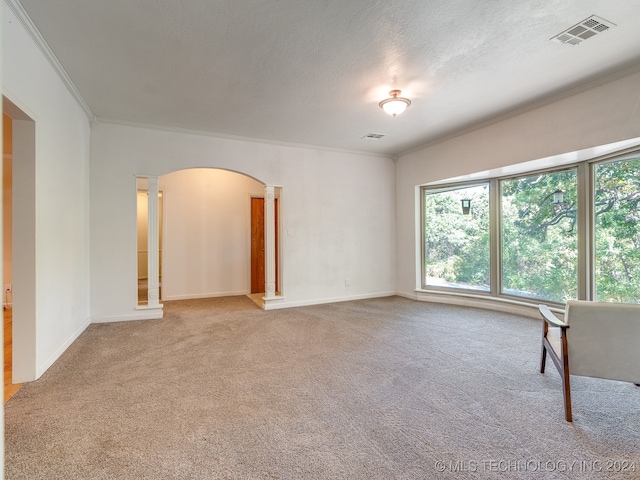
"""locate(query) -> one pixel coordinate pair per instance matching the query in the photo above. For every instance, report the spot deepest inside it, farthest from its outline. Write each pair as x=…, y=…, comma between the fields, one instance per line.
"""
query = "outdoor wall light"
x=466, y=206
x=558, y=197
x=394, y=105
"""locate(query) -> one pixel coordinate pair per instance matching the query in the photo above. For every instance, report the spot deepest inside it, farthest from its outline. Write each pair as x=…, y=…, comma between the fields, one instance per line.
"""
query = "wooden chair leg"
x=566, y=387
x=543, y=356
x=566, y=390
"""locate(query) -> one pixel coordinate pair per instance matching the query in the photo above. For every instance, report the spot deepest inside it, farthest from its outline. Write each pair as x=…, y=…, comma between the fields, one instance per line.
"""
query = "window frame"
x=501, y=180
x=592, y=165
x=585, y=227
x=423, y=273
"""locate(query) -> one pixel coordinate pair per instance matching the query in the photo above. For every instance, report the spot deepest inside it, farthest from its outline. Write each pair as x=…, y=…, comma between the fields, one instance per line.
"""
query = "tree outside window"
x=617, y=231
x=456, y=248
x=539, y=236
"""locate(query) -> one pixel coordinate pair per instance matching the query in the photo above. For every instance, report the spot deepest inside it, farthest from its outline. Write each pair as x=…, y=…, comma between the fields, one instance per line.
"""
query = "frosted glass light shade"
x=395, y=105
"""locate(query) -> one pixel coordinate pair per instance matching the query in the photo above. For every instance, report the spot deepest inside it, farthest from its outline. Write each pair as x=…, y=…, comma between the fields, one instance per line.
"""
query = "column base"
x=269, y=303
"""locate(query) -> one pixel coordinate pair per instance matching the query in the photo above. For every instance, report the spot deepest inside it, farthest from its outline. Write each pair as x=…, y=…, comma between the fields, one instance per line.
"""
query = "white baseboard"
x=193, y=296
x=465, y=300
x=40, y=369
x=305, y=303
x=146, y=314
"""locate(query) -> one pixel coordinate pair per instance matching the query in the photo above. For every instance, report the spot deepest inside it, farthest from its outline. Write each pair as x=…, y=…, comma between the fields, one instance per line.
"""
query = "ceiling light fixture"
x=395, y=105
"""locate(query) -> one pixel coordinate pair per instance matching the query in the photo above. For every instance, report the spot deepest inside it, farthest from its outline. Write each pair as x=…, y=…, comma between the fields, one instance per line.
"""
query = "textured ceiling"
x=313, y=72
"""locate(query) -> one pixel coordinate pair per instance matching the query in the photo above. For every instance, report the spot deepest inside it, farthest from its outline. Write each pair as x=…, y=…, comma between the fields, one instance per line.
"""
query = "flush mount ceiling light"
x=395, y=105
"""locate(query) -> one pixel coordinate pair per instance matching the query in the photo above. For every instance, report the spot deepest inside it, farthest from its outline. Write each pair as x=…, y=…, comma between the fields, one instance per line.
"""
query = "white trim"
x=40, y=369
x=153, y=234
x=269, y=303
x=269, y=243
x=193, y=296
x=145, y=314
x=305, y=303
x=33, y=32
x=238, y=138
x=498, y=304
x=149, y=307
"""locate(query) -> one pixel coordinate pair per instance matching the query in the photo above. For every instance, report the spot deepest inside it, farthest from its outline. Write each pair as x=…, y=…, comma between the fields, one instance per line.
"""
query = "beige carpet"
x=374, y=389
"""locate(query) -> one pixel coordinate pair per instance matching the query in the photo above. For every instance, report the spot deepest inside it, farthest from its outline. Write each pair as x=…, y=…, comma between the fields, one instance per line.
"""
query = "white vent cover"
x=373, y=136
x=583, y=30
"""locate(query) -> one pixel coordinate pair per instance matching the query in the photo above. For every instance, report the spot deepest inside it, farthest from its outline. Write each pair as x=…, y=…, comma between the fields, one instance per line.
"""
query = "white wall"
x=61, y=210
x=207, y=233
x=338, y=207
x=601, y=115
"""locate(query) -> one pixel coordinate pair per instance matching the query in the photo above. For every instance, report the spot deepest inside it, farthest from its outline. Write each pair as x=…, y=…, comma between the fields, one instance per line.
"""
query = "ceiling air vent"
x=583, y=30
x=373, y=136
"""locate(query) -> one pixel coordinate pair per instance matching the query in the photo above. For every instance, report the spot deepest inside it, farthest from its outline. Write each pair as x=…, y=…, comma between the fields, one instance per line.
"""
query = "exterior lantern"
x=466, y=206
x=558, y=197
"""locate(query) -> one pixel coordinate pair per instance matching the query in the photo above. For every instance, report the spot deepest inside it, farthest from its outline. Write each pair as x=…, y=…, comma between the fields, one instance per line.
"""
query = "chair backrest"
x=604, y=340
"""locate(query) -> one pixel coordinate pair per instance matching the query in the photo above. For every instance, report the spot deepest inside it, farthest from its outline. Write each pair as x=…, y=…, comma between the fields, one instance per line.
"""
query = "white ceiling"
x=313, y=72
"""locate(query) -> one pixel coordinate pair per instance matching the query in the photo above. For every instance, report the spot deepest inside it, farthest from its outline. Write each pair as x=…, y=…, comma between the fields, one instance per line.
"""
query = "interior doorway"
x=19, y=244
x=7, y=253
x=257, y=245
x=143, y=252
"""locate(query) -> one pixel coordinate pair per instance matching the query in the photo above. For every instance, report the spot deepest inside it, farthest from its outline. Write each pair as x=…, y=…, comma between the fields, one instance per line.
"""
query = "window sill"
x=500, y=304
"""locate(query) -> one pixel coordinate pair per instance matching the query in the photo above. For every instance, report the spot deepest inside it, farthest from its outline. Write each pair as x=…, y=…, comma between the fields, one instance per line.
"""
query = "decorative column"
x=153, y=259
x=269, y=243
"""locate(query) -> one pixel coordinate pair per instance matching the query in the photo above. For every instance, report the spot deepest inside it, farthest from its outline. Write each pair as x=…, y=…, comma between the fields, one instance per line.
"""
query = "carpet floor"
x=384, y=388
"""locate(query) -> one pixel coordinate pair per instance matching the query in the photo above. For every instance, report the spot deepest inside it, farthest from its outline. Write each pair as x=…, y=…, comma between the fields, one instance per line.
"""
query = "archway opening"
x=206, y=233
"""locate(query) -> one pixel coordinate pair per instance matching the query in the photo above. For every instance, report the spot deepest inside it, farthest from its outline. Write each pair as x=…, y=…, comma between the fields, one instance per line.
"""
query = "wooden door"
x=257, y=244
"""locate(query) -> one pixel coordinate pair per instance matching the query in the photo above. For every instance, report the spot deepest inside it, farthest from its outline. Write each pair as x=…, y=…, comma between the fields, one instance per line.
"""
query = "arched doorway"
x=206, y=233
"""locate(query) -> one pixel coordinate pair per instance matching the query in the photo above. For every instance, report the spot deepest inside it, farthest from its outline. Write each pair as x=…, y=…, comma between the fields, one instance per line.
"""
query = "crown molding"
x=26, y=22
x=547, y=100
x=237, y=138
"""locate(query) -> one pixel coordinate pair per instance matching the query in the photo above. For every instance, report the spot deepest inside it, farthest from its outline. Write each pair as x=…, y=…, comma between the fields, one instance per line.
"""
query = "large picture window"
x=539, y=236
x=617, y=231
x=456, y=240
x=550, y=236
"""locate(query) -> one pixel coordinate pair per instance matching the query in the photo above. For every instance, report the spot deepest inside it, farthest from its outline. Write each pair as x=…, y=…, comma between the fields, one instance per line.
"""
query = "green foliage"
x=617, y=199
x=457, y=245
x=539, y=238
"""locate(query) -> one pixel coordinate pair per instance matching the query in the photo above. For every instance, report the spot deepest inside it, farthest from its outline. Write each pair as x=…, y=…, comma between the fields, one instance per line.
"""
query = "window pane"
x=457, y=244
x=539, y=236
x=617, y=231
